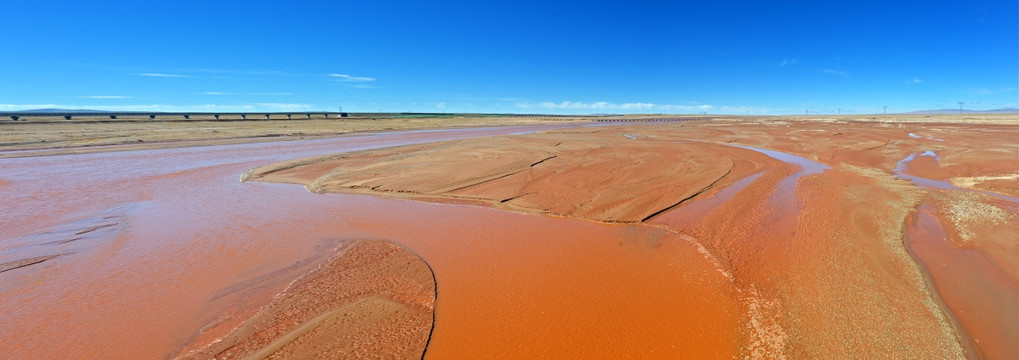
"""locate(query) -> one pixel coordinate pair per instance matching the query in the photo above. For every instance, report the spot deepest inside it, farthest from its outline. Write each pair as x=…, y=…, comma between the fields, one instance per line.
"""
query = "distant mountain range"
x=964, y=111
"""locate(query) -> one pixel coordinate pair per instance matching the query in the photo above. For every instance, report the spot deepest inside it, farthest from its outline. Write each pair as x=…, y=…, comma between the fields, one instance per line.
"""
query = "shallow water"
x=984, y=300
x=175, y=228
x=156, y=245
x=784, y=197
x=900, y=171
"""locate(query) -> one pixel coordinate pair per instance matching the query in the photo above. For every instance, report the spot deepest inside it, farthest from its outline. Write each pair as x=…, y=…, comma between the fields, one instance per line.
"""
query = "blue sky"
x=520, y=57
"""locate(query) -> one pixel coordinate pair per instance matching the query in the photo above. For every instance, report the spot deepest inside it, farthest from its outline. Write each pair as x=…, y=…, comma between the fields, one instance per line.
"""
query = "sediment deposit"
x=725, y=238
x=816, y=257
x=375, y=299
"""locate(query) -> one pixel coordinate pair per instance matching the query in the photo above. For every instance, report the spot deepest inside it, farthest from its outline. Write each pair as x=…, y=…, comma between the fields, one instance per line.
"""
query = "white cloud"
x=836, y=72
x=914, y=81
x=251, y=94
x=785, y=62
x=163, y=75
x=607, y=106
x=106, y=97
x=348, y=78
x=440, y=105
x=639, y=107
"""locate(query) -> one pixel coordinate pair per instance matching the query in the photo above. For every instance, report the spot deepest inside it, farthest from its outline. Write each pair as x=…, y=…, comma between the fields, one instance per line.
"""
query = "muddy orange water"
x=986, y=301
x=153, y=246
x=147, y=254
x=159, y=249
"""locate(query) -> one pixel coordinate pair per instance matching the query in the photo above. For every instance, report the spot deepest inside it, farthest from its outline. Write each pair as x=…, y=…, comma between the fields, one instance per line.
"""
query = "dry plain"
x=772, y=237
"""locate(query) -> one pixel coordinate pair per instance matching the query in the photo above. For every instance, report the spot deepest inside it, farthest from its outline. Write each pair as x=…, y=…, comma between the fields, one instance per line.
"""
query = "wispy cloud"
x=608, y=106
x=785, y=62
x=106, y=97
x=348, y=78
x=836, y=72
x=914, y=81
x=163, y=75
x=639, y=107
x=218, y=93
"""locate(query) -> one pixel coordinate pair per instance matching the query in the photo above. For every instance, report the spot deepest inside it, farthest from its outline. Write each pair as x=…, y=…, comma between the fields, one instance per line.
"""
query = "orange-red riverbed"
x=760, y=254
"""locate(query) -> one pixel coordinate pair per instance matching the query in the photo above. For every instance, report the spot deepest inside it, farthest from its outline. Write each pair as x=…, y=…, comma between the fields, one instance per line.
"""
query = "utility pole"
x=886, y=110
x=840, y=111
x=960, y=107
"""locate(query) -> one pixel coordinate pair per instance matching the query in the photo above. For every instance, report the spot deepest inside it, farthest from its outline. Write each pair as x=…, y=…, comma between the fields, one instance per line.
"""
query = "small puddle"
x=915, y=136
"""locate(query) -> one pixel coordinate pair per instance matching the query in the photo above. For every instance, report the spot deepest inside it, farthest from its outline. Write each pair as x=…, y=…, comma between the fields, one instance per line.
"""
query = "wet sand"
x=374, y=299
x=800, y=231
x=592, y=174
x=679, y=244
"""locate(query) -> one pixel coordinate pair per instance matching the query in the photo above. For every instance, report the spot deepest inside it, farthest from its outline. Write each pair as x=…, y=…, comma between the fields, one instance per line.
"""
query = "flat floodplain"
x=720, y=238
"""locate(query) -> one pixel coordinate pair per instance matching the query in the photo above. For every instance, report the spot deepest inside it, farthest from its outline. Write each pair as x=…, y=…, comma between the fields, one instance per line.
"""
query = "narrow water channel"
x=983, y=299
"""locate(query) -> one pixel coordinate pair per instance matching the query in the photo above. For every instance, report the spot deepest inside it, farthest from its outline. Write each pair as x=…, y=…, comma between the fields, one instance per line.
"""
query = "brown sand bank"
x=46, y=136
x=373, y=300
x=819, y=271
x=598, y=175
